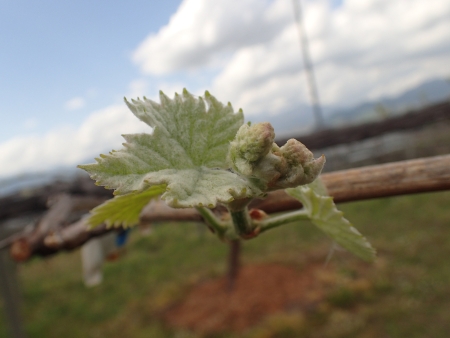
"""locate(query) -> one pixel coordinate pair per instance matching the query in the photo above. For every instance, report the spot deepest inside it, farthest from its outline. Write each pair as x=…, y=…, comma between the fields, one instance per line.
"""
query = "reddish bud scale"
x=257, y=214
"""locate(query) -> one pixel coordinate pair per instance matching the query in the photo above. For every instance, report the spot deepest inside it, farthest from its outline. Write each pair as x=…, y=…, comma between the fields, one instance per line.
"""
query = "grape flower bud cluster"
x=254, y=154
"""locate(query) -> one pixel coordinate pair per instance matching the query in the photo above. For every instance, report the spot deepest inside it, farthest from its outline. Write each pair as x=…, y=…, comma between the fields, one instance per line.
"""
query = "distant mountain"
x=23, y=182
x=300, y=120
x=425, y=94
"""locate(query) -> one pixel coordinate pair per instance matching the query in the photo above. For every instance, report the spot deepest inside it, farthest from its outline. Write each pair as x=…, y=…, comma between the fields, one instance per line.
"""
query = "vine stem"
x=211, y=219
x=276, y=221
x=241, y=221
x=234, y=263
x=243, y=227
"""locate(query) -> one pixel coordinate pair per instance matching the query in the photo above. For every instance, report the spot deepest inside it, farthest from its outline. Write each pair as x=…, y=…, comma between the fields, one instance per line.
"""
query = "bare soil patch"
x=260, y=291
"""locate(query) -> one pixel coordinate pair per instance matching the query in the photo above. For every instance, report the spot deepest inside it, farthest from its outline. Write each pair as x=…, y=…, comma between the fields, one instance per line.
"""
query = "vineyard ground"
x=406, y=293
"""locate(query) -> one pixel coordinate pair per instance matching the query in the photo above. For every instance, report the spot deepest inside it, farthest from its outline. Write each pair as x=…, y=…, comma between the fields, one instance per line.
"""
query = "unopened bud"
x=257, y=214
x=253, y=154
x=302, y=167
x=250, y=145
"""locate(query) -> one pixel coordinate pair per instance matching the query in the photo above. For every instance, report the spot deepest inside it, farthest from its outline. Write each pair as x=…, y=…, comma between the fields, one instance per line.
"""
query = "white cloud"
x=361, y=53
x=75, y=103
x=201, y=30
x=141, y=87
x=99, y=133
x=137, y=88
x=361, y=50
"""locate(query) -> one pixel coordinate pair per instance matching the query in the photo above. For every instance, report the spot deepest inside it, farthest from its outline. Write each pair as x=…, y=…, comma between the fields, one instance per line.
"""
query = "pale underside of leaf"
x=201, y=186
x=124, y=210
x=324, y=214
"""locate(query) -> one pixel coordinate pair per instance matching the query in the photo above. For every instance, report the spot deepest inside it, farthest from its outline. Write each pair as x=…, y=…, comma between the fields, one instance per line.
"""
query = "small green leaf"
x=124, y=210
x=325, y=215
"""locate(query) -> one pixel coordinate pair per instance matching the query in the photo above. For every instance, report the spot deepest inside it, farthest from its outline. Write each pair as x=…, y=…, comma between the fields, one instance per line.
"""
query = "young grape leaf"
x=186, y=152
x=123, y=210
x=325, y=215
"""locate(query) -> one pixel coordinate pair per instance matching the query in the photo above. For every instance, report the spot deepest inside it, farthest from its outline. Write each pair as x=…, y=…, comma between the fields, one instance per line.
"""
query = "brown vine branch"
x=54, y=221
x=392, y=179
x=399, y=178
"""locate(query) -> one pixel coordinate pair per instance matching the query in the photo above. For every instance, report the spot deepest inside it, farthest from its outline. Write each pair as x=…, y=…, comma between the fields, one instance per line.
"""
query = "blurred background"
x=363, y=82
x=65, y=67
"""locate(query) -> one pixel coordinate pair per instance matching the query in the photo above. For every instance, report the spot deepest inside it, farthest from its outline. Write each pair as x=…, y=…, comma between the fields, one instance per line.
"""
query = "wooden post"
x=9, y=289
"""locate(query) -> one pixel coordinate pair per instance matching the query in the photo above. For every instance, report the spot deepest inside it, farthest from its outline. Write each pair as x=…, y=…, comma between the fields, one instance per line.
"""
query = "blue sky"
x=53, y=51
x=65, y=66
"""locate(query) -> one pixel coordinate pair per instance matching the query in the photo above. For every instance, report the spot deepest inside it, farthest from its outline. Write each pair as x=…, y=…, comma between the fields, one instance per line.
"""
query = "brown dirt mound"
x=259, y=291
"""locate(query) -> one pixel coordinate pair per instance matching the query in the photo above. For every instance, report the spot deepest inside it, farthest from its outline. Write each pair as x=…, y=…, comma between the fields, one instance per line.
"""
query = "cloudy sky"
x=65, y=66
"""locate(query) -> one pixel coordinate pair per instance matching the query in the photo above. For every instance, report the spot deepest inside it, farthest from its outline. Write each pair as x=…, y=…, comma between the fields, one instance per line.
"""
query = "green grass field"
x=407, y=291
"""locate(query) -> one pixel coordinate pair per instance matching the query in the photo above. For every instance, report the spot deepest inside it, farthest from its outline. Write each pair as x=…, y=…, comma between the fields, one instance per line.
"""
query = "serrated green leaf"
x=124, y=210
x=325, y=215
x=188, y=145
